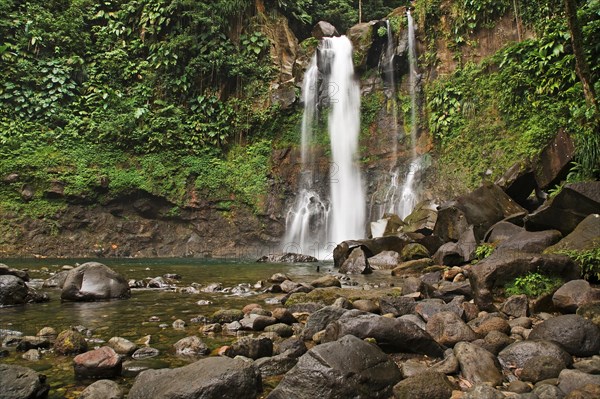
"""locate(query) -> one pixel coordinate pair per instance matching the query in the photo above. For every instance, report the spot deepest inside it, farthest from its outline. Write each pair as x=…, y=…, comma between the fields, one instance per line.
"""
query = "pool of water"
x=130, y=318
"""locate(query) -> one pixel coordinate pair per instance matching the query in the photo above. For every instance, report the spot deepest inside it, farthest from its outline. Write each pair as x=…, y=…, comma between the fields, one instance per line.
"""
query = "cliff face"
x=143, y=225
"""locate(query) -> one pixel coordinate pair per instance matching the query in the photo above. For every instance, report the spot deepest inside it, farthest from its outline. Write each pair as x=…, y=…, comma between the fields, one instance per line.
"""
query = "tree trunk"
x=581, y=67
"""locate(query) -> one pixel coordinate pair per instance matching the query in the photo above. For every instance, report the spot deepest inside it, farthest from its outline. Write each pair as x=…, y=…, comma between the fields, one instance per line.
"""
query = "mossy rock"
x=414, y=251
x=70, y=342
x=227, y=315
x=326, y=296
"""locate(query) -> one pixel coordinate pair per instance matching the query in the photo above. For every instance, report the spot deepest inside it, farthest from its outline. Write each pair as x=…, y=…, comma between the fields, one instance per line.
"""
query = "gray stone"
x=346, y=368
x=275, y=365
x=539, y=368
x=483, y=391
x=516, y=306
x=94, y=281
x=590, y=365
x=320, y=319
x=250, y=347
x=530, y=241
x=102, y=389
x=397, y=306
x=585, y=236
x=574, y=294
x=191, y=346
x=517, y=354
x=210, y=378
x=570, y=380
x=326, y=281
x=103, y=362
x=448, y=329
x=385, y=260
x=281, y=329
x=447, y=366
x=477, y=365
x=366, y=305
x=548, y=391
x=20, y=382
x=13, y=290
x=145, y=353
x=579, y=336
x=122, y=346
x=356, y=263
x=324, y=29
x=429, y=384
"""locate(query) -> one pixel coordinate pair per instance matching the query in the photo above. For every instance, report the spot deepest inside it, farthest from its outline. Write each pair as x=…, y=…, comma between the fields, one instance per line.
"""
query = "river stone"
x=547, y=391
x=70, y=342
x=397, y=306
x=588, y=391
x=428, y=307
x=590, y=365
x=5, y=270
x=573, y=294
x=397, y=335
x=385, y=260
x=122, y=346
x=517, y=354
x=483, y=391
x=191, y=346
x=32, y=355
x=227, y=316
x=429, y=384
x=281, y=329
x=326, y=281
x=570, y=380
x=94, y=281
x=318, y=320
x=448, y=329
x=131, y=368
x=275, y=365
x=251, y=347
x=210, y=378
x=516, y=306
x=356, y=263
x=18, y=382
x=447, y=366
x=477, y=364
x=579, y=336
x=103, y=362
x=366, y=305
x=539, y=368
x=30, y=342
x=283, y=315
x=145, y=353
x=483, y=325
x=102, y=389
x=346, y=368
x=502, y=267
x=47, y=333
x=13, y=290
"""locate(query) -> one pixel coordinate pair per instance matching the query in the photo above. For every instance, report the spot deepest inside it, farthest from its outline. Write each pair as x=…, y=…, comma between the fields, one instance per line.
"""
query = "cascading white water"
x=347, y=191
x=409, y=195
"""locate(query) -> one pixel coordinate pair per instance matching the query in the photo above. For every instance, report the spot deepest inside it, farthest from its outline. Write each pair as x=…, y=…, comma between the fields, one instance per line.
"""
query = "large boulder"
x=477, y=365
x=573, y=294
x=569, y=208
x=5, y=270
x=398, y=335
x=385, y=260
x=516, y=355
x=210, y=378
x=356, y=263
x=457, y=253
x=346, y=368
x=579, y=336
x=481, y=209
x=422, y=219
x=13, y=290
x=94, y=281
x=18, y=382
x=324, y=29
x=504, y=266
x=518, y=182
x=554, y=160
x=320, y=319
x=530, y=241
x=370, y=247
x=362, y=37
x=586, y=236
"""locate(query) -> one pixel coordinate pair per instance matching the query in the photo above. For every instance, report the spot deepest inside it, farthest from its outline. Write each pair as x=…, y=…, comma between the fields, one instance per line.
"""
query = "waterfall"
x=409, y=195
x=313, y=223
x=347, y=192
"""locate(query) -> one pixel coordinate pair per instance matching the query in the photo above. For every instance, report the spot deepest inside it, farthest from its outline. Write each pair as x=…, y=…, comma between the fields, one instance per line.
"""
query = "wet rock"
x=70, y=342
x=57, y=280
x=539, y=368
x=346, y=368
x=28, y=342
x=397, y=335
x=288, y=257
x=573, y=294
x=102, y=389
x=13, y=290
x=212, y=287
x=210, y=378
x=20, y=382
x=283, y=315
x=326, y=281
x=98, y=363
x=94, y=281
x=5, y=270
x=324, y=29
x=250, y=347
x=517, y=354
x=179, y=324
x=191, y=346
x=131, y=368
x=397, y=306
x=294, y=347
x=227, y=315
x=356, y=263
x=503, y=267
x=385, y=260
x=430, y=384
x=32, y=355
x=145, y=353
x=158, y=282
x=429, y=307
x=569, y=208
x=570, y=380
x=122, y=346
x=278, y=278
x=580, y=337
x=48, y=333
x=448, y=329
x=289, y=286
x=477, y=365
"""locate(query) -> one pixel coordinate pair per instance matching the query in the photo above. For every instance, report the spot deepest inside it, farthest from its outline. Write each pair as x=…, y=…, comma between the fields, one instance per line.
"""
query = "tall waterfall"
x=347, y=191
x=314, y=224
x=408, y=193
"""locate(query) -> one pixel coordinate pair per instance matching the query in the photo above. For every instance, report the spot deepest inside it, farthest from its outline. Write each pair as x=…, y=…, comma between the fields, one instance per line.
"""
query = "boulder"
x=539, y=368
x=429, y=384
x=318, y=320
x=530, y=241
x=210, y=378
x=389, y=225
x=366, y=305
x=579, y=336
x=411, y=267
x=487, y=323
x=385, y=260
x=586, y=236
x=502, y=267
x=122, y=346
x=569, y=208
x=502, y=231
x=346, y=368
x=288, y=257
x=356, y=263
x=481, y=209
x=570, y=380
x=251, y=347
x=483, y=391
x=324, y=29
x=422, y=219
x=102, y=389
x=94, y=281
x=13, y=290
x=227, y=316
x=191, y=346
x=275, y=365
x=516, y=306
x=517, y=354
x=447, y=328
x=477, y=365
x=70, y=342
x=396, y=306
x=412, y=251
x=573, y=294
x=57, y=280
x=457, y=253
x=361, y=35
x=5, y=270
x=326, y=281
x=554, y=160
x=590, y=311
x=20, y=382
x=103, y=362
x=518, y=182
x=145, y=353
x=396, y=335
x=370, y=247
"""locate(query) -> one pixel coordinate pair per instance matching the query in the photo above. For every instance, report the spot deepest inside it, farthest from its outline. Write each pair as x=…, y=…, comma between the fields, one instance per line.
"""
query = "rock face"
x=210, y=378
x=94, y=281
x=346, y=368
x=398, y=335
x=579, y=336
x=19, y=382
x=98, y=363
x=13, y=290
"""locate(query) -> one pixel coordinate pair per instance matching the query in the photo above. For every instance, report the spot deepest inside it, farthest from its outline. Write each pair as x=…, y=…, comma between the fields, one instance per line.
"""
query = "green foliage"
x=382, y=31
x=588, y=260
x=484, y=250
x=533, y=285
